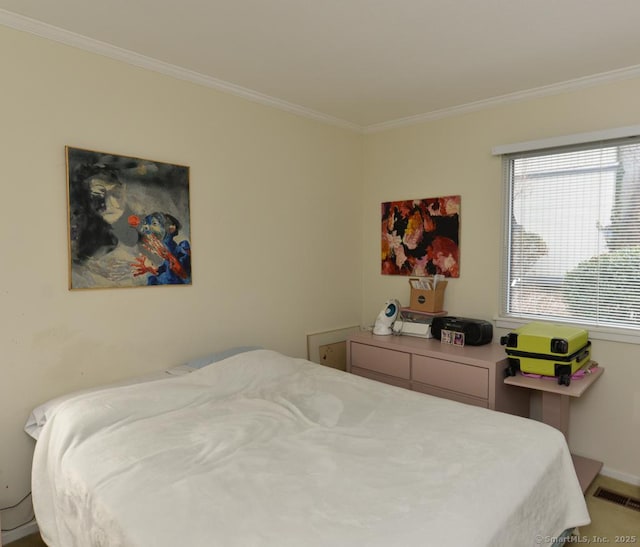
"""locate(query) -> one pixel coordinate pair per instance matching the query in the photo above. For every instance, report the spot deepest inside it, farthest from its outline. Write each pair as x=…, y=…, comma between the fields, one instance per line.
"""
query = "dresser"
x=469, y=374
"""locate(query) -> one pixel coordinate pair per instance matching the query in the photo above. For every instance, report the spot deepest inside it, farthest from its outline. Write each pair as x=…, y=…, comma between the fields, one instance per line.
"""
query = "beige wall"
x=453, y=156
x=285, y=236
x=275, y=217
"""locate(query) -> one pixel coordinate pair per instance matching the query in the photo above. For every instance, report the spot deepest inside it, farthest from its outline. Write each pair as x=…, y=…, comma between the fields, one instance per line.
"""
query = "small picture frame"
x=452, y=338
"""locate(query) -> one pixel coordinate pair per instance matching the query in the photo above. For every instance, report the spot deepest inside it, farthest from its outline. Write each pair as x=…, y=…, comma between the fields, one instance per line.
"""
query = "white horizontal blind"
x=573, y=234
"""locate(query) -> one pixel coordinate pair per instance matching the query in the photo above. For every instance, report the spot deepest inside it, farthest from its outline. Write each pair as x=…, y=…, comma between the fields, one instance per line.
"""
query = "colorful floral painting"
x=421, y=237
x=129, y=221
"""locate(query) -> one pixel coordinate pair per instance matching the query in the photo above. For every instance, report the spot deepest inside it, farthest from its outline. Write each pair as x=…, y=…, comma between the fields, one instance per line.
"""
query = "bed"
x=261, y=449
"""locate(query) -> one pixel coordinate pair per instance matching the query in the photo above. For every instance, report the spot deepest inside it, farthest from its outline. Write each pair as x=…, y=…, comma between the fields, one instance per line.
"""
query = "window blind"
x=572, y=234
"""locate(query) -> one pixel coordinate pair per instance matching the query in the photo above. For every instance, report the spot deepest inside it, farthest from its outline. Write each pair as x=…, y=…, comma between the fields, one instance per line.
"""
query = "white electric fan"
x=387, y=317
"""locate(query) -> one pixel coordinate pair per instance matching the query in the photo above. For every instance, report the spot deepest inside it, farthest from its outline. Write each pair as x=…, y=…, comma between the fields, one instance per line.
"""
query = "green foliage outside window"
x=607, y=286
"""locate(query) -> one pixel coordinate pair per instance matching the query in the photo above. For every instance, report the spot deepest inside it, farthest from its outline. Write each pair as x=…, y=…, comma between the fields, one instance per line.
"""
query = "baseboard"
x=20, y=532
x=620, y=476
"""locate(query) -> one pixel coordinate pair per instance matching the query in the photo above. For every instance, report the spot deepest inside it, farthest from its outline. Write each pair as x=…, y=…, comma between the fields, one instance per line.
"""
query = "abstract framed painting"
x=128, y=221
x=421, y=237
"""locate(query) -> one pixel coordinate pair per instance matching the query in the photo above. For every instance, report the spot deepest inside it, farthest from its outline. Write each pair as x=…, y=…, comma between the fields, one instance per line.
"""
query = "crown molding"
x=56, y=34
x=553, y=89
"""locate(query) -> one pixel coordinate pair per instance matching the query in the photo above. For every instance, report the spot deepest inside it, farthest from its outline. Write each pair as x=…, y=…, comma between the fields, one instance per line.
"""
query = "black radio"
x=476, y=331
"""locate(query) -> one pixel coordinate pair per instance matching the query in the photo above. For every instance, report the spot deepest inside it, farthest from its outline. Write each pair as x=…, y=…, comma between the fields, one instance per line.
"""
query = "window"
x=573, y=234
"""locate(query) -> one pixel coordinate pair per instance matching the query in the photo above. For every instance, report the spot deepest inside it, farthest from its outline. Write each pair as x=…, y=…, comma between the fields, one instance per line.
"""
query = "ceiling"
x=365, y=64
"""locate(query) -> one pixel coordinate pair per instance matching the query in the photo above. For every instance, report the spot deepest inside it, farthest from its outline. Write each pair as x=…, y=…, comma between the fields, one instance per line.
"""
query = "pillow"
x=218, y=356
x=38, y=417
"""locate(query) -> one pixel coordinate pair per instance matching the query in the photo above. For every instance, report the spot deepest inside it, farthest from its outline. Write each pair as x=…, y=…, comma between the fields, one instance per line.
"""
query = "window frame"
x=512, y=321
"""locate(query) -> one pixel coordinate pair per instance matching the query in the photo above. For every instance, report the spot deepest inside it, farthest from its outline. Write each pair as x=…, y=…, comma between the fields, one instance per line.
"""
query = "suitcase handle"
x=584, y=353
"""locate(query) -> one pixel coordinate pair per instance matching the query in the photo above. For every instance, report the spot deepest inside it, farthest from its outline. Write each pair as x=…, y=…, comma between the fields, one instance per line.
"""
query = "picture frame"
x=128, y=221
x=421, y=237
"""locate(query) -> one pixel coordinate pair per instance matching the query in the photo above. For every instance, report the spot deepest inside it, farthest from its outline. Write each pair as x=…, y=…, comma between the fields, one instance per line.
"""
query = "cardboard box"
x=431, y=301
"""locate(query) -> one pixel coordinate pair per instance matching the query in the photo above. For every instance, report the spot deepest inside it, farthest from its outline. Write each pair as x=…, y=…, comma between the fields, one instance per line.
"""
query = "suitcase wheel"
x=563, y=372
x=511, y=370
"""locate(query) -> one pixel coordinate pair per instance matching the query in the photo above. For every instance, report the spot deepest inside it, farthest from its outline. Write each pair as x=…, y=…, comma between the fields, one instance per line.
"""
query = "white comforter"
x=265, y=450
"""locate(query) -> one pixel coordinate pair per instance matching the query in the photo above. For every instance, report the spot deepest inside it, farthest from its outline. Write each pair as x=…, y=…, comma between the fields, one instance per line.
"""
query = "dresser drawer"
x=452, y=395
x=385, y=361
x=465, y=379
x=391, y=380
x=469, y=374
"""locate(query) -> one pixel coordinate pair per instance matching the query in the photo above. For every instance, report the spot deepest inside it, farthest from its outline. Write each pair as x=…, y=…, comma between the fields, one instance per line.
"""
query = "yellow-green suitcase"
x=547, y=350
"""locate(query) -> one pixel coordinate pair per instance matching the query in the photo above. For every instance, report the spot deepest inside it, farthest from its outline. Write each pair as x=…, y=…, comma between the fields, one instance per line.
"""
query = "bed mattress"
x=265, y=450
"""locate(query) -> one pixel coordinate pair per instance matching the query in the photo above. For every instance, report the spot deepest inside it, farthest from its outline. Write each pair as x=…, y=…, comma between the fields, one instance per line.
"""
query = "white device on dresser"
x=387, y=317
x=412, y=323
x=393, y=319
